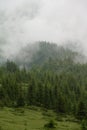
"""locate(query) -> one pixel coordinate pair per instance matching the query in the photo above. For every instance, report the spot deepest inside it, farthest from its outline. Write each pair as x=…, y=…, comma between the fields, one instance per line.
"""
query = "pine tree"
x=81, y=110
x=31, y=93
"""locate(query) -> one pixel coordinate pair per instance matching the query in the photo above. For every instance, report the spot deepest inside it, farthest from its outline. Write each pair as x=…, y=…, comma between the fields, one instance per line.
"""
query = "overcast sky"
x=26, y=21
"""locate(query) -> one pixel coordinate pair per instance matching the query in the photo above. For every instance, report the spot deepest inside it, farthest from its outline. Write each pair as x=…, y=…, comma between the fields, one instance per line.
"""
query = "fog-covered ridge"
x=40, y=52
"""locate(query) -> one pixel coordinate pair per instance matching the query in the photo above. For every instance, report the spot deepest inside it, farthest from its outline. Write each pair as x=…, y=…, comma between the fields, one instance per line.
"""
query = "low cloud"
x=25, y=21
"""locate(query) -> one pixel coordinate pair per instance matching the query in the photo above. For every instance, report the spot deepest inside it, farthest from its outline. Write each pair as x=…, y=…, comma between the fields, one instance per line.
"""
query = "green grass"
x=27, y=119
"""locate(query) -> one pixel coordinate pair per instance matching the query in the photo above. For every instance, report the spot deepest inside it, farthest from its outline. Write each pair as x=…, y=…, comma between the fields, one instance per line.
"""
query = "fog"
x=23, y=22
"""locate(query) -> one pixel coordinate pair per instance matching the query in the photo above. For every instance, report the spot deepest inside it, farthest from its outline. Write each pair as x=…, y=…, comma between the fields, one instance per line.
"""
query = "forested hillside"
x=52, y=80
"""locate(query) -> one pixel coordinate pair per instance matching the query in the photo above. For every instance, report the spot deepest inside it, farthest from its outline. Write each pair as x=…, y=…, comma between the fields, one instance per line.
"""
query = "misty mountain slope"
x=25, y=55
x=2, y=58
x=54, y=81
x=44, y=52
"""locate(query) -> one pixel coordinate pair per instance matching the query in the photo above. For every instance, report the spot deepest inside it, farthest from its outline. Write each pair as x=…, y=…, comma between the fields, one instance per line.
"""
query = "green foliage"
x=84, y=124
x=81, y=111
x=54, y=82
x=11, y=66
x=20, y=101
x=51, y=124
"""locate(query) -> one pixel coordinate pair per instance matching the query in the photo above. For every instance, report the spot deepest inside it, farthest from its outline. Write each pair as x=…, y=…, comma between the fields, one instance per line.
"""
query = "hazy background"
x=23, y=22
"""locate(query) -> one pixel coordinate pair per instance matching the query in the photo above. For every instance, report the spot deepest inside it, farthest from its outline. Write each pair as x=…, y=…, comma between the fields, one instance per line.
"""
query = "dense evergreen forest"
x=51, y=80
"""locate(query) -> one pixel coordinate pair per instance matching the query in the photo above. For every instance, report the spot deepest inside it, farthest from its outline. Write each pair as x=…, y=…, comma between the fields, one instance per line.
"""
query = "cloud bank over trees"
x=26, y=21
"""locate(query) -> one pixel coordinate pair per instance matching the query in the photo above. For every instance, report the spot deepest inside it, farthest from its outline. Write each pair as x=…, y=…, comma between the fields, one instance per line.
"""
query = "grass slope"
x=28, y=119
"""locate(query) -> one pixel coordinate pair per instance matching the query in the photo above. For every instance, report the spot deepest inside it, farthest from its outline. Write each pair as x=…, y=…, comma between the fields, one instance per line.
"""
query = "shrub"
x=50, y=124
x=84, y=125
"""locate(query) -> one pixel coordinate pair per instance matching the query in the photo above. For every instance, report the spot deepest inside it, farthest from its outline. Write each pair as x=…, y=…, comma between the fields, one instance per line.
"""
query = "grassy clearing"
x=27, y=119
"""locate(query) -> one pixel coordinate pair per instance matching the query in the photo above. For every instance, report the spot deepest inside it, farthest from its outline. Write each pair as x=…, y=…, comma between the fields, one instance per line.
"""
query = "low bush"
x=84, y=125
x=51, y=124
